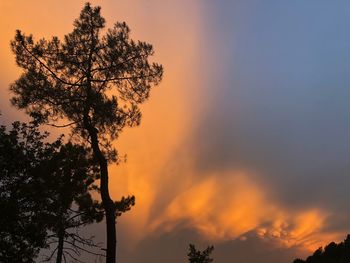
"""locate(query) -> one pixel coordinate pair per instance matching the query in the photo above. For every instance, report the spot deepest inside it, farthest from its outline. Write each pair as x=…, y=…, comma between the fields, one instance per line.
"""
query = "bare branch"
x=118, y=64
x=63, y=126
x=51, y=255
x=124, y=78
x=85, y=250
x=74, y=258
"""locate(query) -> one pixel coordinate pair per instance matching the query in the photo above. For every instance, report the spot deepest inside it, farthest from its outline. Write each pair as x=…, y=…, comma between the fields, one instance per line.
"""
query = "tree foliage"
x=332, y=253
x=197, y=256
x=23, y=224
x=93, y=81
x=73, y=172
x=44, y=191
x=73, y=78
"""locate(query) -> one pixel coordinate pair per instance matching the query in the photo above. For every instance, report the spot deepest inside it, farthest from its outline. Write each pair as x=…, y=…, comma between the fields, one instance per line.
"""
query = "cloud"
x=173, y=247
x=227, y=206
x=267, y=154
x=246, y=141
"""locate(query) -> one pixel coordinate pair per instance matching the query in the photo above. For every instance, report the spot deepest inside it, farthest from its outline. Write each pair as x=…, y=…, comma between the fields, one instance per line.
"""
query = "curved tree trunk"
x=107, y=202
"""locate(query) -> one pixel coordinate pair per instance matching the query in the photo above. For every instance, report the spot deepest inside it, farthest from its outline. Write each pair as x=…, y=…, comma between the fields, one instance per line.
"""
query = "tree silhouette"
x=72, y=172
x=23, y=207
x=39, y=183
x=93, y=82
x=332, y=253
x=196, y=256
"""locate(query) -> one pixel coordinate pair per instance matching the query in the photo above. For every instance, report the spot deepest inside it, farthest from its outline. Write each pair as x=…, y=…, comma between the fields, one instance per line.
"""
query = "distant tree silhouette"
x=197, y=256
x=39, y=182
x=95, y=83
x=332, y=253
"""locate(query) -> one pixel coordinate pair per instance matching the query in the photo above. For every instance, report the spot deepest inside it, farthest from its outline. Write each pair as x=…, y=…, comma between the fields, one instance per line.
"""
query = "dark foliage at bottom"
x=197, y=256
x=332, y=253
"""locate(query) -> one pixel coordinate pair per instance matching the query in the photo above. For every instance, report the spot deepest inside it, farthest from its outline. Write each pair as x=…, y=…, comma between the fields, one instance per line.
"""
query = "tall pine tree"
x=93, y=82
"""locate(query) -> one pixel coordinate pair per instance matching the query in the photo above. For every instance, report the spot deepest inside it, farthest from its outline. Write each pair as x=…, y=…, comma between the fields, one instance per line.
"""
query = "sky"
x=245, y=144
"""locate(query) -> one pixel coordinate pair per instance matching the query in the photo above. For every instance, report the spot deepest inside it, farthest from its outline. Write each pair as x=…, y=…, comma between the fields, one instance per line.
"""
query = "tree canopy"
x=94, y=80
x=332, y=253
x=71, y=78
x=71, y=172
x=23, y=203
x=44, y=188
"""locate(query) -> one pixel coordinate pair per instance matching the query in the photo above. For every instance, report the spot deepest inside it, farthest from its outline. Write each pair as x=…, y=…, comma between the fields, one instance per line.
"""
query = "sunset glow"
x=229, y=149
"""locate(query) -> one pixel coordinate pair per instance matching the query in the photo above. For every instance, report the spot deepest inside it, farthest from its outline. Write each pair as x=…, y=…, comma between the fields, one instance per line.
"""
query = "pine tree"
x=93, y=82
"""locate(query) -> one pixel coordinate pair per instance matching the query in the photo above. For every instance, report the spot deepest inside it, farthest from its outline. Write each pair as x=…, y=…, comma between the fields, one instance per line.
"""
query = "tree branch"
x=50, y=70
x=124, y=78
x=64, y=125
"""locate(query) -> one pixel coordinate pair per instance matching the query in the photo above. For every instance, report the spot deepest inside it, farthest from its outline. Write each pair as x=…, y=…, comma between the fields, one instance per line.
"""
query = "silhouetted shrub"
x=196, y=256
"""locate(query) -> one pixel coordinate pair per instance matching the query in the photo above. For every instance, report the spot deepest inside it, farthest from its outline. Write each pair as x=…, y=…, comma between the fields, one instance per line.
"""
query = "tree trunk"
x=107, y=202
x=60, y=246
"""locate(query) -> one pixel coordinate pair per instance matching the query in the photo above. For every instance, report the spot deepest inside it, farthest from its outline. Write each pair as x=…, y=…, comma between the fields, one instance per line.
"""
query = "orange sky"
x=159, y=168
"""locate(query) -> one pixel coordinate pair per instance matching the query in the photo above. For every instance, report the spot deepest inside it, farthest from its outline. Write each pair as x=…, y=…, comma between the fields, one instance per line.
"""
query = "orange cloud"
x=228, y=206
x=159, y=168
